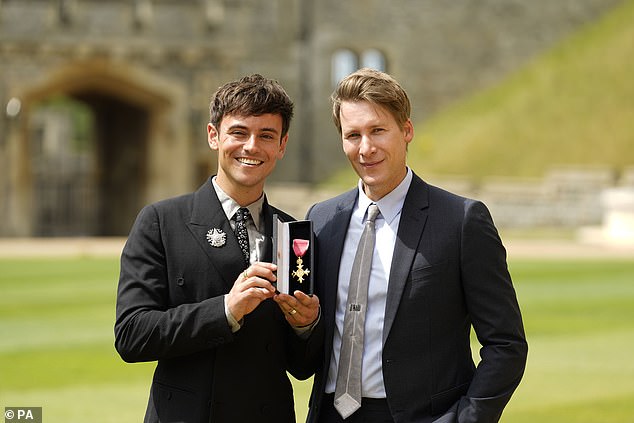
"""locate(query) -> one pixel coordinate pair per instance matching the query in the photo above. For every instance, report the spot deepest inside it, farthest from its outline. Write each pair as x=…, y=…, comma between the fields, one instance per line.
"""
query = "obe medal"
x=300, y=246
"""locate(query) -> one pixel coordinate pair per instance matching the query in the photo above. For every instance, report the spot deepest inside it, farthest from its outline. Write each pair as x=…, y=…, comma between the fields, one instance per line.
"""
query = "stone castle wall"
x=164, y=58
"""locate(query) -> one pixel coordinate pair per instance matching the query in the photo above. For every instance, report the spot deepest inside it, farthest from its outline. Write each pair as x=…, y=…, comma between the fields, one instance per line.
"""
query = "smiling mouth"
x=369, y=164
x=250, y=162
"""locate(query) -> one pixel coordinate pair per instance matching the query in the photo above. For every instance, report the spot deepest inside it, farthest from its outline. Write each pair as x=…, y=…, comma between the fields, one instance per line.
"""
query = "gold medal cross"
x=300, y=272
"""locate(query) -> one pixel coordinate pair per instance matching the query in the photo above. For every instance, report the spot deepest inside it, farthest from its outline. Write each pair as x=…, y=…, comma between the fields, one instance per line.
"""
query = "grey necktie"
x=348, y=387
x=242, y=217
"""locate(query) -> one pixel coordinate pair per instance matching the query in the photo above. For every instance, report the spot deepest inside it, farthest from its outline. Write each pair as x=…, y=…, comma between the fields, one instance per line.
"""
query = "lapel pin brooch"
x=216, y=237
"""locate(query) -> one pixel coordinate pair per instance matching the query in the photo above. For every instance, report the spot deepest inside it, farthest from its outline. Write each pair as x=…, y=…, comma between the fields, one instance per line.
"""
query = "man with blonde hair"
x=406, y=270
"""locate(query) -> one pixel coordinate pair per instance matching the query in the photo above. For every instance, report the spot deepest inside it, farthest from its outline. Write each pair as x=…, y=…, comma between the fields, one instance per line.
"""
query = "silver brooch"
x=216, y=237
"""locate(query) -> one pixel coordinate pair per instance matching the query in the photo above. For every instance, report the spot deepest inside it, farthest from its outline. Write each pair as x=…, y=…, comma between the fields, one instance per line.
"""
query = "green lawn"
x=571, y=105
x=56, y=340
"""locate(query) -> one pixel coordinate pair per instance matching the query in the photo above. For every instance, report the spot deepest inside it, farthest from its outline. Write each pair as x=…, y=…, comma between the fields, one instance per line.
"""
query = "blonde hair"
x=375, y=87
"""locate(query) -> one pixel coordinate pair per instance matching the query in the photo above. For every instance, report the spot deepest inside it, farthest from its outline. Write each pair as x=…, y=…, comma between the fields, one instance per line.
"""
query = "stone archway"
x=132, y=131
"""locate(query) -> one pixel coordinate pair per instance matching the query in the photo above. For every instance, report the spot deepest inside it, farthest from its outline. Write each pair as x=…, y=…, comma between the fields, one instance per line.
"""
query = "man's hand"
x=299, y=309
x=251, y=288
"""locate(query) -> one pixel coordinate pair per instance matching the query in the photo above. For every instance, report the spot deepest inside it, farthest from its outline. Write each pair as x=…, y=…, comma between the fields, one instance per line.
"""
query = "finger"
x=288, y=303
x=294, y=313
x=255, y=282
x=285, y=299
x=266, y=265
x=307, y=308
x=256, y=270
x=283, y=303
x=255, y=292
x=259, y=292
x=261, y=269
x=306, y=300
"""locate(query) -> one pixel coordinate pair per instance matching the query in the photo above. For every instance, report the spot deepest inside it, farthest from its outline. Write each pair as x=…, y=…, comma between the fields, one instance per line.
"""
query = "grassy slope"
x=574, y=105
x=56, y=338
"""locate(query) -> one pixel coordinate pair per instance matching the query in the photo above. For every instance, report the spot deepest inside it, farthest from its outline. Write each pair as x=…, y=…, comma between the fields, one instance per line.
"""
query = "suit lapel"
x=334, y=239
x=410, y=229
x=207, y=213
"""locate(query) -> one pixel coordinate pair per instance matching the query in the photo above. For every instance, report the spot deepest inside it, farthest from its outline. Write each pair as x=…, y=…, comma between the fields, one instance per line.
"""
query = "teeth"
x=249, y=161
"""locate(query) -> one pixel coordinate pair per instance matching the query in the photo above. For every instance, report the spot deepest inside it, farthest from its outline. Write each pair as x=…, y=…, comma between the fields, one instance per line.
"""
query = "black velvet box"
x=293, y=246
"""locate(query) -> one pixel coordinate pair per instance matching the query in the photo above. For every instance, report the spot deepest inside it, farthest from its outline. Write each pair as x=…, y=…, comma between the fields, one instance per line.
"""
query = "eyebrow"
x=269, y=130
x=355, y=129
x=238, y=126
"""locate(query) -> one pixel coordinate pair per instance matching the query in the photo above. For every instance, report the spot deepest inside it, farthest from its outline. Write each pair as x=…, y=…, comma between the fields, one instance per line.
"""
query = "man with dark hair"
x=195, y=289
x=406, y=270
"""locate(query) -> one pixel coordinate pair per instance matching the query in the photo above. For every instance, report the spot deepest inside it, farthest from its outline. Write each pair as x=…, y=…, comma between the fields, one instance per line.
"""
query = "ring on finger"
x=245, y=274
x=292, y=312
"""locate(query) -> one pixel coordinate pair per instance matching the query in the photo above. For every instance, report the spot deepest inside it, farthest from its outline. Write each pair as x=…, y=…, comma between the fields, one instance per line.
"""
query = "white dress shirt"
x=386, y=225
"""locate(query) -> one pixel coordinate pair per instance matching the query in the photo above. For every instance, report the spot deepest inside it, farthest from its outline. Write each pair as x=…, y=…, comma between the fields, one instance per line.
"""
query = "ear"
x=212, y=136
x=282, y=150
x=408, y=131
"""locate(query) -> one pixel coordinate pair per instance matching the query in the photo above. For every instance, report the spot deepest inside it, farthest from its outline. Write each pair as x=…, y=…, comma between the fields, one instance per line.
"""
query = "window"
x=346, y=61
x=374, y=59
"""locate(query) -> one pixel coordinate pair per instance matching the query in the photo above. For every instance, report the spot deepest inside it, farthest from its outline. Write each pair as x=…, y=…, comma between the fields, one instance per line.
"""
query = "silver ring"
x=292, y=312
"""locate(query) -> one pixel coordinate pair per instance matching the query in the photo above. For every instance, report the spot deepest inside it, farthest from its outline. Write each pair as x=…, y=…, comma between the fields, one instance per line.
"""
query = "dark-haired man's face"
x=248, y=149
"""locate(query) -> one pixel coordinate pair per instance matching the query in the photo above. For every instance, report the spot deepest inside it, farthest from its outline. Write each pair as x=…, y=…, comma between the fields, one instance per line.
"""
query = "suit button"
x=180, y=281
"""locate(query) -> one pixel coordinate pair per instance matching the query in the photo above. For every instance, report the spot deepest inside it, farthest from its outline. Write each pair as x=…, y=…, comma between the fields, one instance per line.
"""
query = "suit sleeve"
x=305, y=354
x=147, y=326
x=496, y=319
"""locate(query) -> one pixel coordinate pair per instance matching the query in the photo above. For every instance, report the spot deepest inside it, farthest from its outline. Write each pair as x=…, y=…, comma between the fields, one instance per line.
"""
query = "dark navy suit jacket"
x=448, y=274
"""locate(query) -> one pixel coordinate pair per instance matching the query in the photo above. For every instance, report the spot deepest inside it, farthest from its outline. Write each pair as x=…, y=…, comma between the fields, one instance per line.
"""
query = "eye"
x=352, y=136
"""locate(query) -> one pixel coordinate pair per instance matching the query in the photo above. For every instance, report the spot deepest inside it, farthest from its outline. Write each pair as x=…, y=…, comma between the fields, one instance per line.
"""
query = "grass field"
x=56, y=338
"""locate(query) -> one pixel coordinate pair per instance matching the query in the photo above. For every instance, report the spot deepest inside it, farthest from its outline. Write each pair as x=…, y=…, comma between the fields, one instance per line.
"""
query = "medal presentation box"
x=293, y=245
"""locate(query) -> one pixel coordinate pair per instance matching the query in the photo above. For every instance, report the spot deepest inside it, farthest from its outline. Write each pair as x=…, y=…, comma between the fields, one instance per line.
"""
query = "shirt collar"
x=230, y=206
x=391, y=204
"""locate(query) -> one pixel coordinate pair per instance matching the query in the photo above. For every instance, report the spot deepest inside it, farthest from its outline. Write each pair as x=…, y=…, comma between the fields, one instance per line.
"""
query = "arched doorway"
x=90, y=131
x=63, y=164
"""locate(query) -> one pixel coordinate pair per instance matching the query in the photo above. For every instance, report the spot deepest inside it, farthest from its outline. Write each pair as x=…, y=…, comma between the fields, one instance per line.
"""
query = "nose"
x=366, y=147
x=251, y=143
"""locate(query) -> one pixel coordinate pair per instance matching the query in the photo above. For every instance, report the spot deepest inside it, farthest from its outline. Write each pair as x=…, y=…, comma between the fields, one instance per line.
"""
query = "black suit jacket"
x=170, y=308
x=448, y=274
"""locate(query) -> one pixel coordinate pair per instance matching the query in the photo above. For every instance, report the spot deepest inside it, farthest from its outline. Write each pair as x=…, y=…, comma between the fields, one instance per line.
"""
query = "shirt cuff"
x=233, y=323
